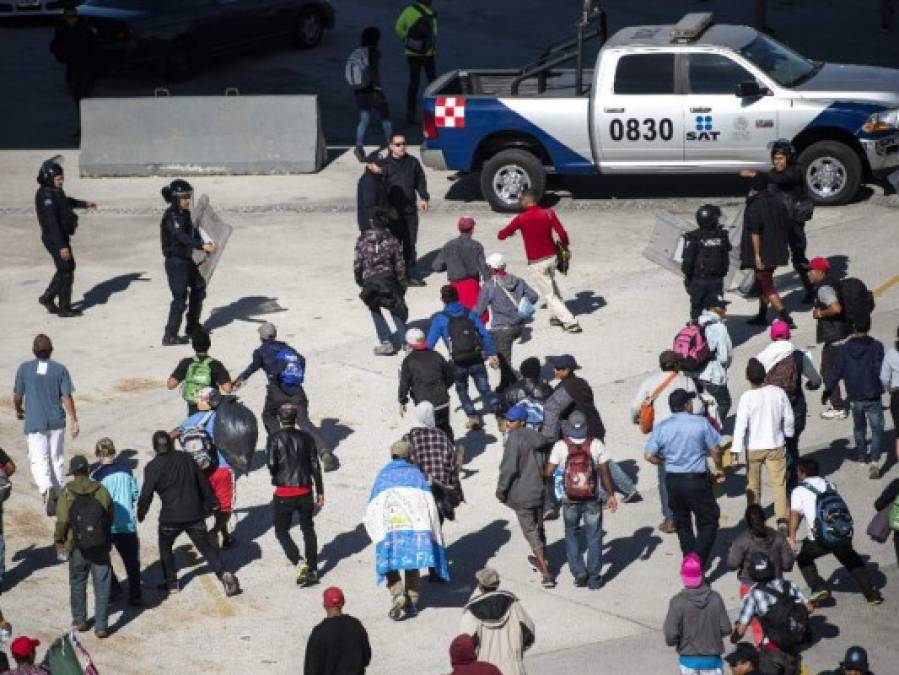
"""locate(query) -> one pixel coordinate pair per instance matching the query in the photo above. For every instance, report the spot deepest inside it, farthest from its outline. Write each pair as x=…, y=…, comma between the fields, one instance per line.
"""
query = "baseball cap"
x=333, y=597
x=23, y=647
x=487, y=577
x=77, y=463
x=679, y=398
x=691, y=571
x=716, y=300
x=669, y=359
x=820, y=264
x=744, y=651
x=566, y=361
x=267, y=331
x=401, y=449
x=575, y=426
x=415, y=336
x=517, y=413
x=466, y=224
x=496, y=261
x=780, y=330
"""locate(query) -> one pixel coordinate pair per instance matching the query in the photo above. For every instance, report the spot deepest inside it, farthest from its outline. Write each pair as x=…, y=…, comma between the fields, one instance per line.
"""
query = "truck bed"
x=498, y=84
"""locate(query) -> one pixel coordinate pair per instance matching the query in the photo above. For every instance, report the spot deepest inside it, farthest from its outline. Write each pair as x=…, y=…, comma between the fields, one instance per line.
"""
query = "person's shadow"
x=29, y=560
x=243, y=309
x=585, y=302
x=333, y=431
x=626, y=550
x=102, y=292
x=475, y=442
x=342, y=547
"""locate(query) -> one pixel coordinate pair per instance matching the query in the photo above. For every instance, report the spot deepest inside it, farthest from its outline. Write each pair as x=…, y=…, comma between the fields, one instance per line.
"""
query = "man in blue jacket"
x=858, y=365
x=468, y=342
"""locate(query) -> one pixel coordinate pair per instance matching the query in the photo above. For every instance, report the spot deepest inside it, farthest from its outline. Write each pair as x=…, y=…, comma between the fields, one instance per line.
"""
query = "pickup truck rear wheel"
x=833, y=172
x=509, y=173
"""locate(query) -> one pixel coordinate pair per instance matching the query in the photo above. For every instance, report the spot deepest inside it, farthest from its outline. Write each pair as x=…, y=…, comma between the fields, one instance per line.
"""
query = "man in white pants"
x=42, y=397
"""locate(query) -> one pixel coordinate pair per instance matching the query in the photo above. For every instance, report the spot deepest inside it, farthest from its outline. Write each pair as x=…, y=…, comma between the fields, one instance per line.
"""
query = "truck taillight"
x=429, y=126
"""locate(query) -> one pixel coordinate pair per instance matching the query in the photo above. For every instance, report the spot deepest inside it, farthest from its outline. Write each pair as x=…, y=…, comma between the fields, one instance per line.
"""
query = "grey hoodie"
x=503, y=311
x=889, y=371
x=772, y=543
x=697, y=622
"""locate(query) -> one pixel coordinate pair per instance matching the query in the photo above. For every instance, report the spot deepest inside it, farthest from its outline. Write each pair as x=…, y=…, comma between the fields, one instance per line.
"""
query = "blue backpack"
x=290, y=366
x=833, y=524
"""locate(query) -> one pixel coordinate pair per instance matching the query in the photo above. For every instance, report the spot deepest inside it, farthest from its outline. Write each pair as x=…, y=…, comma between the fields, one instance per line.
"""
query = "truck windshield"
x=778, y=61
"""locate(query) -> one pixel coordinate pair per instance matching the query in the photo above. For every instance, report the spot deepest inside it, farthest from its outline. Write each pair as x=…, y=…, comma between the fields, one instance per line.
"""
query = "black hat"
x=77, y=464
x=565, y=361
x=679, y=398
x=707, y=216
x=716, y=300
x=49, y=170
x=856, y=657
x=744, y=651
x=760, y=567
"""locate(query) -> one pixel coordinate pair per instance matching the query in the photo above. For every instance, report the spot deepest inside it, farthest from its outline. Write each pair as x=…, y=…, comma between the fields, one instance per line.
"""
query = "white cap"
x=496, y=261
x=415, y=336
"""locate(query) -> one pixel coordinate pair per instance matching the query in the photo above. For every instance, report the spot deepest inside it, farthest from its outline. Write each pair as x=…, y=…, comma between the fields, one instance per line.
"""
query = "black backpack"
x=713, y=256
x=786, y=622
x=464, y=339
x=420, y=36
x=90, y=523
x=855, y=299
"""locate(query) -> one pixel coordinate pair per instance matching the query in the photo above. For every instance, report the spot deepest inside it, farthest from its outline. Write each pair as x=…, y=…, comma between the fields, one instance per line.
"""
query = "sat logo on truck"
x=704, y=130
x=449, y=111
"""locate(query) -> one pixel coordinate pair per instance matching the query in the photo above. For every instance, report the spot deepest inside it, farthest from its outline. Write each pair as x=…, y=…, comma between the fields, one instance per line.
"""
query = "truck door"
x=723, y=129
x=638, y=116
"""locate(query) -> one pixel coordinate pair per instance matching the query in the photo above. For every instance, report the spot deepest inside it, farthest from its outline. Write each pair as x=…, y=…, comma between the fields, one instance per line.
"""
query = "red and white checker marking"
x=449, y=111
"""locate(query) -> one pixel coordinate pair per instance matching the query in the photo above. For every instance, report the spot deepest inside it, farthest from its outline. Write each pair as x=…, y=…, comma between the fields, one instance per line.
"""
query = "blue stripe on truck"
x=848, y=115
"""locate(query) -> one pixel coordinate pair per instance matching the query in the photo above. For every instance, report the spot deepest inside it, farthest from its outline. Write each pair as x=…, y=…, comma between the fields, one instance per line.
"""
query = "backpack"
x=198, y=376
x=420, y=36
x=358, y=69
x=786, y=374
x=579, y=475
x=197, y=442
x=464, y=339
x=90, y=523
x=786, y=622
x=690, y=344
x=535, y=413
x=647, y=415
x=833, y=522
x=290, y=372
x=713, y=256
x=855, y=299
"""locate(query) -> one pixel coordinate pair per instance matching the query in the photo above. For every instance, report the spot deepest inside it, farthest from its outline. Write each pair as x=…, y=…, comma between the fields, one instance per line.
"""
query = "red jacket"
x=537, y=227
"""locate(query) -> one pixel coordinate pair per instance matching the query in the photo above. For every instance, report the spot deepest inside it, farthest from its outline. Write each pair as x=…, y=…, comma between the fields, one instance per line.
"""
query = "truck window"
x=715, y=74
x=645, y=74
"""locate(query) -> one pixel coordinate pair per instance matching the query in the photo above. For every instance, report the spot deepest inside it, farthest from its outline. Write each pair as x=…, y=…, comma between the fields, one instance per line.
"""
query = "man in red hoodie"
x=537, y=226
x=464, y=658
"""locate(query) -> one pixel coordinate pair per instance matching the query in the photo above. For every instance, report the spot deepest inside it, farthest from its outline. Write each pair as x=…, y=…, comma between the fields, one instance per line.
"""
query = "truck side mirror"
x=749, y=89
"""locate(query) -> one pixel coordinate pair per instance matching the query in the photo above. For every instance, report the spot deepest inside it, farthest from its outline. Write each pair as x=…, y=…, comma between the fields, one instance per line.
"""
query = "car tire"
x=832, y=172
x=509, y=173
x=181, y=61
x=310, y=28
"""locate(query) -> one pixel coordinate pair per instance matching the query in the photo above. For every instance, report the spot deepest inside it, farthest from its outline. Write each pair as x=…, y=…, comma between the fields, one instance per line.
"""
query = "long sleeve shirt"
x=764, y=420
x=439, y=329
x=462, y=258
x=537, y=226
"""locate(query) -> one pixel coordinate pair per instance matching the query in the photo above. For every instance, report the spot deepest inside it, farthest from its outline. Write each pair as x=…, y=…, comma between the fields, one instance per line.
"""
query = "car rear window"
x=645, y=74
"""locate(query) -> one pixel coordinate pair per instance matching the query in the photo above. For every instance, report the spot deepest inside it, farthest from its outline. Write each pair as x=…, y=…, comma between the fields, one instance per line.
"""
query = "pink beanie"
x=780, y=330
x=691, y=571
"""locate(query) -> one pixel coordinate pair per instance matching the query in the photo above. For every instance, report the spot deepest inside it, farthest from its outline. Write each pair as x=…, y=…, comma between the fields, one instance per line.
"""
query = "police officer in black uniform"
x=706, y=259
x=180, y=238
x=58, y=223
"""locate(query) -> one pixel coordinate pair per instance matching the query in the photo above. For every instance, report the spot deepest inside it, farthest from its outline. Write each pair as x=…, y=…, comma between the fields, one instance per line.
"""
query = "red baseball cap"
x=333, y=597
x=466, y=223
x=23, y=647
x=820, y=264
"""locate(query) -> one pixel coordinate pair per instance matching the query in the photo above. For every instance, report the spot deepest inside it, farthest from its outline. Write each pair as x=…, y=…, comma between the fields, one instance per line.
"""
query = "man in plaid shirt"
x=433, y=451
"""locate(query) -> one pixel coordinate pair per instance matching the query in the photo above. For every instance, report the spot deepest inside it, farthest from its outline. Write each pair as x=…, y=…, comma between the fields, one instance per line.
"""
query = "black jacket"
x=403, y=179
x=706, y=254
x=179, y=236
x=427, y=376
x=292, y=460
x=788, y=182
x=833, y=328
x=767, y=216
x=371, y=193
x=857, y=363
x=526, y=387
x=572, y=393
x=183, y=489
x=888, y=496
x=56, y=217
x=337, y=646
x=75, y=46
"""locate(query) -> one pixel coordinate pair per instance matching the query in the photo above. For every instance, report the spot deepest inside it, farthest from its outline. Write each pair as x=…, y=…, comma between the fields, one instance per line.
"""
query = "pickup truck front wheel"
x=833, y=172
x=509, y=173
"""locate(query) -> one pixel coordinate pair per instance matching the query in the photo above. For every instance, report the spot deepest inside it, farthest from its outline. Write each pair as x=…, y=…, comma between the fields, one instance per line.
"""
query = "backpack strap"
x=808, y=486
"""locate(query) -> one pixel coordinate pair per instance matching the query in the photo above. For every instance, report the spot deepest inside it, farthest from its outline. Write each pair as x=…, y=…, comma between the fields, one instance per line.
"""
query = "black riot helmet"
x=783, y=147
x=49, y=170
x=177, y=188
x=707, y=216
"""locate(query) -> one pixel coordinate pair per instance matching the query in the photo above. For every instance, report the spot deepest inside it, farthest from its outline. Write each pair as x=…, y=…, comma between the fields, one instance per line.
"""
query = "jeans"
x=282, y=511
x=620, y=479
x=199, y=537
x=275, y=398
x=800, y=410
x=828, y=356
x=721, y=394
x=128, y=546
x=543, y=275
x=383, y=330
x=478, y=373
x=185, y=283
x=667, y=513
x=870, y=412
x=584, y=518
x=100, y=572
x=362, y=127
x=504, y=338
x=775, y=463
x=416, y=63
x=690, y=496
x=64, y=278
x=811, y=550
x=701, y=290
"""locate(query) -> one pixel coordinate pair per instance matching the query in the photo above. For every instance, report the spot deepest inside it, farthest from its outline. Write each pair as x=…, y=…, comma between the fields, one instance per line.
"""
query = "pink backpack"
x=690, y=344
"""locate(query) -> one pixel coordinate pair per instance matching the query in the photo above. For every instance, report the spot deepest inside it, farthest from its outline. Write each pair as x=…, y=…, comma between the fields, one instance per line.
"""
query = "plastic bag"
x=236, y=432
x=67, y=656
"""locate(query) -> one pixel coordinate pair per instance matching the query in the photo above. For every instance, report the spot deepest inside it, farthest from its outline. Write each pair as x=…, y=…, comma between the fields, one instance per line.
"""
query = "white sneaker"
x=834, y=414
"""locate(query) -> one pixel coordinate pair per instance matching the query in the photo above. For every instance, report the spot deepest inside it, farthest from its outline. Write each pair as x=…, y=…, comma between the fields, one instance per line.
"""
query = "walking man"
x=285, y=369
x=706, y=259
x=295, y=471
x=831, y=330
x=42, y=396
x=537, y=226
x=416, y=27
x=198, y=372
x=713, y=376
x=58, y=222
x=426, y=376
x=462, y=258
x=370, y=94
x=434, y=453
x=683, y=443
x=339, y=644
x=83, y=520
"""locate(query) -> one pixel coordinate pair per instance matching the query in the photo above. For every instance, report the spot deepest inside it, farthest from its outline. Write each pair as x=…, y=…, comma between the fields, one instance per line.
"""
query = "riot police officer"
x=180, y=238
x=58, y=221
x=706, y=259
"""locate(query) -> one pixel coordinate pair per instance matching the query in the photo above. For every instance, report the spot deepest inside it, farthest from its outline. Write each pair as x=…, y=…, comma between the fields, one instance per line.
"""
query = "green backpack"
x=199, y=375
x=894, y=515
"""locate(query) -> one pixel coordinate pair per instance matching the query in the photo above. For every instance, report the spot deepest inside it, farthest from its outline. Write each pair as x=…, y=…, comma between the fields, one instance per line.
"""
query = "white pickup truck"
x=695, y=97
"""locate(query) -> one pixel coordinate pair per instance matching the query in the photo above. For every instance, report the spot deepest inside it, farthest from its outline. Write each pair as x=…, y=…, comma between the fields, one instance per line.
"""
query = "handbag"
x=524, y=307
x=563, y=258
x=647, y=414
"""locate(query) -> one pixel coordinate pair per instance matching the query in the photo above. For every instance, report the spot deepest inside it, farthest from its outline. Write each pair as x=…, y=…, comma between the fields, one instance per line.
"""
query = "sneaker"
x=819, y=596
x=580, y=580
x=386, y=348
x=101, y=633
x=303, y=572
x=573, y=328
x=874, y=599
x=595, y=585
x=48, y=304
x=312, y=578
x=397, y=607
x=410, y=611
x=329, y=461
x=68, y=312
x=473, y=423
x=548, y=582
x=834, y=414
x=631, y=497
x=231, y=584
x=172, y=340
x=553, y=321
x=873, y=472
x=757, y=320
x=667, y=527
x=359, y=152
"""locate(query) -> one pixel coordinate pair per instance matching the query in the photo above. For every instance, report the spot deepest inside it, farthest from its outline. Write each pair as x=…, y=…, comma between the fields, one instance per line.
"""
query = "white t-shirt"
x=803, y=500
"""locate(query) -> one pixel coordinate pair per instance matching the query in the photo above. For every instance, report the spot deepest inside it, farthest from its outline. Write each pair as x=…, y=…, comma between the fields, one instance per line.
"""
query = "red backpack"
x=579, y=475
x=690, y=344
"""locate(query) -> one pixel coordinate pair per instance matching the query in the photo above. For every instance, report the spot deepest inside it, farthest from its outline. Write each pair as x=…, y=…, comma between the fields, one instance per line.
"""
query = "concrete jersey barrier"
x=201, y=135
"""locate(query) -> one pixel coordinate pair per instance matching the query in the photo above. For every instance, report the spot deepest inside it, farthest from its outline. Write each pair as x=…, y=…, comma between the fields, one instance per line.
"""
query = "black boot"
x=171, y=340
x=47, y=301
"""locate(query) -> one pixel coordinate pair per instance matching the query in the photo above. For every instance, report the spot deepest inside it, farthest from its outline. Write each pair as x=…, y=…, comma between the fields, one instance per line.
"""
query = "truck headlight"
x=884, y=120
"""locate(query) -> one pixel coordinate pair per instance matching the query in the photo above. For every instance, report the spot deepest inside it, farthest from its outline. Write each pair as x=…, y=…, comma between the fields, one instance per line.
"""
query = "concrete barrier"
x=201, y=135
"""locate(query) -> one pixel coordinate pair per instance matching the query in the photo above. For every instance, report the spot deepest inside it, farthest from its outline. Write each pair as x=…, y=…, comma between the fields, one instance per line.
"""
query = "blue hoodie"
x=858, y=364
x=440, y=327
x=121, y=485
